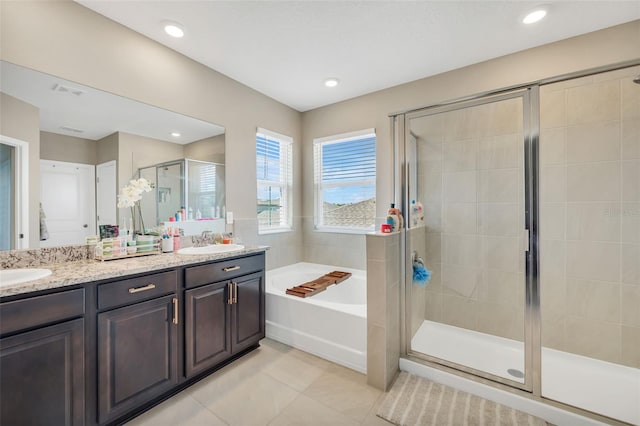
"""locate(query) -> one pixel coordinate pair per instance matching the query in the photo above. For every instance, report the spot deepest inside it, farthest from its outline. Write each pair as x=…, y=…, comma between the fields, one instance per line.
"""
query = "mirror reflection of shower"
x=196, y=186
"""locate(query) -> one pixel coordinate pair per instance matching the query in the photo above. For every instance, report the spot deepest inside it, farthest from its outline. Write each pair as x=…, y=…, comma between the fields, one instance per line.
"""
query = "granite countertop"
x=85, y=271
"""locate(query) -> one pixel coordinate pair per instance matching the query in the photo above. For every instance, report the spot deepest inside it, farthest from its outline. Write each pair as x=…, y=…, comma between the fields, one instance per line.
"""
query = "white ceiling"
x=286, y=49
x=95, y=114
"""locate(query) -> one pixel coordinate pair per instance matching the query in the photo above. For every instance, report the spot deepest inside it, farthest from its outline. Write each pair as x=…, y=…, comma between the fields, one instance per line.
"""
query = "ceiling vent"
x=68, y=89
x=71, y=129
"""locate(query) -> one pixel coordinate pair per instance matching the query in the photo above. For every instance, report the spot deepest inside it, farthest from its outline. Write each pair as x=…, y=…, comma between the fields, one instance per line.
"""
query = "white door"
x=67, y=194
x=106, y=193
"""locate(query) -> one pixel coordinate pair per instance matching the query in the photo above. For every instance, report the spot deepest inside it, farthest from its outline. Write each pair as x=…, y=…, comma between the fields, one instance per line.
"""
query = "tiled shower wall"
x=470, y=180
x=590, y=216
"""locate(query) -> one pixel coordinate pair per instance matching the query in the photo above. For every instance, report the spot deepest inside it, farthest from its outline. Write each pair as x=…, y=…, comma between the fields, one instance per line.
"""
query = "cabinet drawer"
x=223, y=270
x=34, y=311
x=136, y=289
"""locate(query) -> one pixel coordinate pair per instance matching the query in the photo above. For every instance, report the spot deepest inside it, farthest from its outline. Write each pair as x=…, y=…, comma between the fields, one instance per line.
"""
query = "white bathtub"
x=598, y=386
x=331, y=324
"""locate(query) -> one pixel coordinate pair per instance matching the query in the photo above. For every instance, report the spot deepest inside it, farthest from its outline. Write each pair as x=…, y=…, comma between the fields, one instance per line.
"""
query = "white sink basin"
x=212, y=249
x=17, y=276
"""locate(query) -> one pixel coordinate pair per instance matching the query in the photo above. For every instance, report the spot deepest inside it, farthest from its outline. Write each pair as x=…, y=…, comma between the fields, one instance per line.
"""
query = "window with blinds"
x=274, y=179
x=345, y=182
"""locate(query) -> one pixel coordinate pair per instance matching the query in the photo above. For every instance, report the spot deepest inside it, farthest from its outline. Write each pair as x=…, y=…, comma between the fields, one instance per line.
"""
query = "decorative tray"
x=104, y=253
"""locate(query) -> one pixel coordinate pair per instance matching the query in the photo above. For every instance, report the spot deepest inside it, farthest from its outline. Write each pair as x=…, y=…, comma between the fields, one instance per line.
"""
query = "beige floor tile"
x=348, y=374
x=346, y=392
x=372, y=419
x=306, y=411
x=253, y=400
x=181, y=410
x=294, y=371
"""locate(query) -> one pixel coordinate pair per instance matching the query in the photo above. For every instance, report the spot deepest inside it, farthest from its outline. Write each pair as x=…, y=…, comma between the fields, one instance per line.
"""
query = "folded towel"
x=44, y=233
x=421, y=275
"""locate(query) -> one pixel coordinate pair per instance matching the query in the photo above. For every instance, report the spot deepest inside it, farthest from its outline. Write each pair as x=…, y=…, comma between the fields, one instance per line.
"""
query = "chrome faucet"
x=204, y=239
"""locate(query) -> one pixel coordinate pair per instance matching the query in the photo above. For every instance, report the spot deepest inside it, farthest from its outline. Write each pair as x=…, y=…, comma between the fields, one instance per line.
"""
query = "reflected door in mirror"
x=67, y=194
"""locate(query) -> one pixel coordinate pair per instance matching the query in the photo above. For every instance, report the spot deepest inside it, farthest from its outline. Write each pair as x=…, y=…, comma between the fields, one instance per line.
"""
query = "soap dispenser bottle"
x=393, y=219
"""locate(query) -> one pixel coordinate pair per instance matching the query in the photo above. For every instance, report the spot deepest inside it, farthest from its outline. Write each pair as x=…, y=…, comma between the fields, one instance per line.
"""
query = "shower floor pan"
x=602, y=387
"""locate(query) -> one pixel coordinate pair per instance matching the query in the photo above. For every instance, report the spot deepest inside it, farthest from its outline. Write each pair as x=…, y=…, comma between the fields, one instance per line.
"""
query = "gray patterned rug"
x=414, y=401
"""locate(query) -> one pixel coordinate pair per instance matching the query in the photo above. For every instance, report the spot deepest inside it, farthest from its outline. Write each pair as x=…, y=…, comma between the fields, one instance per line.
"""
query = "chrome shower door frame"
x=401, y=129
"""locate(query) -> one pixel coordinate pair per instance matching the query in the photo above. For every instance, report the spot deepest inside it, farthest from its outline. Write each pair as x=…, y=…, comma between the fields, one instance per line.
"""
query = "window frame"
x=285, y=184
x=318, y=143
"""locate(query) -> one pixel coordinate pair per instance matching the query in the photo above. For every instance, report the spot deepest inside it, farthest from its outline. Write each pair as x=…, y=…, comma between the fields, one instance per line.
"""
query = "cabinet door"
x=247, y=313
x=207, y=327
x=42, y=376
x=137, y=356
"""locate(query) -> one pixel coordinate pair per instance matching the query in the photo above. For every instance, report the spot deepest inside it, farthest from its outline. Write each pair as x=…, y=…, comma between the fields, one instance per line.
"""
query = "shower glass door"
x=465, y=164
x=590, y=242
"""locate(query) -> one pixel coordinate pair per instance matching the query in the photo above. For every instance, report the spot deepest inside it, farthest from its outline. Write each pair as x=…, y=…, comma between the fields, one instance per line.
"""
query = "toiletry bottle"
x=395, y=211
x=393, y=219
x=190, y=214
x=183, y=213
x=198, y=214
x=176, y=239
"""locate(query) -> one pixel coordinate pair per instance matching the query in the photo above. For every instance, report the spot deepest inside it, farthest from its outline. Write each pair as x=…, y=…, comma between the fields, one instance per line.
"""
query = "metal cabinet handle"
x=230, y=292
x=143, y=288
x=235, y=292
x=231, y=268
x=175, y=310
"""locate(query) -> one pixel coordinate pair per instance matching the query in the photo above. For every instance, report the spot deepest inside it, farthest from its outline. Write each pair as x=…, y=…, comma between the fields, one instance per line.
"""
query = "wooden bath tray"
x=318, y=285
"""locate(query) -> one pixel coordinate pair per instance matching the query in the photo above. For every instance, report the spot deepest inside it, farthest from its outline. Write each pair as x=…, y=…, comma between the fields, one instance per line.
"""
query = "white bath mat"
x=414, y=401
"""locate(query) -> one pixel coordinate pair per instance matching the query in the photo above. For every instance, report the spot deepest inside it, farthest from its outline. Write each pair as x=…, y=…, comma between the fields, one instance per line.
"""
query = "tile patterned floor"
x=273, y=385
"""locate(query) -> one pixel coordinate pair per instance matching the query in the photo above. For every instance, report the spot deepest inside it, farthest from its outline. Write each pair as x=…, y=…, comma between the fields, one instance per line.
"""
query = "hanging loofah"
x=421, y=275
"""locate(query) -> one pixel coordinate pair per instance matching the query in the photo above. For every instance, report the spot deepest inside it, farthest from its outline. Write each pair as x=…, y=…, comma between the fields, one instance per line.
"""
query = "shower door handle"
x=526, y=240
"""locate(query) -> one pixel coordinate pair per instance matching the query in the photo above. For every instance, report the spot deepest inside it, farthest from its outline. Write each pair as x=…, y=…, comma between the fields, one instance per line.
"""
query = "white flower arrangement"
x=131, y=194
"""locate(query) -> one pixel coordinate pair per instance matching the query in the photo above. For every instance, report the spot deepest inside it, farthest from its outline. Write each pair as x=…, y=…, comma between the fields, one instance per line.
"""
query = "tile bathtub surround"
x=273, y=385
x=590, y=216
x=383, y=308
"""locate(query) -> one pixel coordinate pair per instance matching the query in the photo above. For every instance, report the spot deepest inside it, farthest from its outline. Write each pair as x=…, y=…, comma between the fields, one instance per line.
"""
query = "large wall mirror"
x=90, y=144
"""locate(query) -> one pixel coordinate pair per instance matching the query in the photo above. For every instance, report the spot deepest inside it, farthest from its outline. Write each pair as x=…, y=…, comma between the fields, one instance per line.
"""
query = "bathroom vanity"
x=97, y=343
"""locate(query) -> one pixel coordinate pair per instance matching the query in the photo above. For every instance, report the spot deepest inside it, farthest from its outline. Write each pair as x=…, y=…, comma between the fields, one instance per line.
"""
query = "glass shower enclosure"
x=466, y=166
x=196, y=186
x=532, y=232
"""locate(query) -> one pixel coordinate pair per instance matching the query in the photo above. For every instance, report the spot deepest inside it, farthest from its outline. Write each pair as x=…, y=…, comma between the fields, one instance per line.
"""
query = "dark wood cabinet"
x=208, y=327
x=42, y=360
x=137, y=355
x=247, y=312
x=223, y=318
x=107, y=350
x=42, y=376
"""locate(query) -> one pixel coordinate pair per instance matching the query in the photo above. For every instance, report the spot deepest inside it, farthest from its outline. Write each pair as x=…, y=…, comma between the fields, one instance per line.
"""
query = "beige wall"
x=20, y=120
x=210, y=149
x=136, y=152
x=65, y=39
x=107, y=149
x=596, y=49
x=67, y=148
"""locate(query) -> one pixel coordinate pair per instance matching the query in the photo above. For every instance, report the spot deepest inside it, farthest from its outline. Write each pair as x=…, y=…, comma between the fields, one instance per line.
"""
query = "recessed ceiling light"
x=176, y=134
x=535, y=15
x=331, y=82
x=173, y=29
